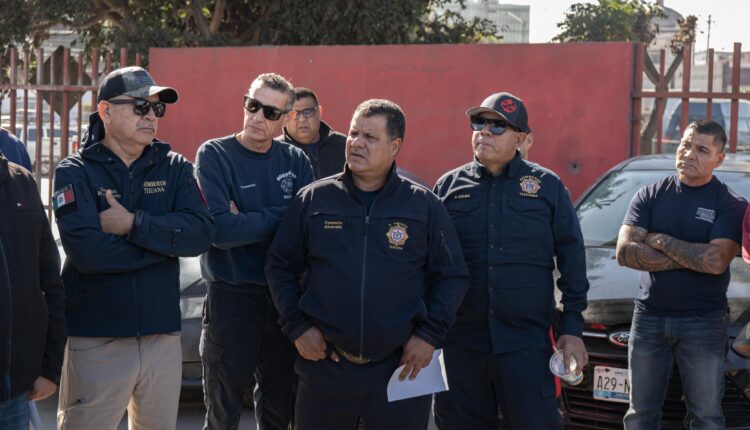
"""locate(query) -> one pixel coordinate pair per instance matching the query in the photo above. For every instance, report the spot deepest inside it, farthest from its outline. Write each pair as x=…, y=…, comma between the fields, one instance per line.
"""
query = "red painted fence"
x=578, y=96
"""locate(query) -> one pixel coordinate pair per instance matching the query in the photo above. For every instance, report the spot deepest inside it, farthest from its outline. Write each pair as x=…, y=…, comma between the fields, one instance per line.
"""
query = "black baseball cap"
x=508, y=106
x=135, y=82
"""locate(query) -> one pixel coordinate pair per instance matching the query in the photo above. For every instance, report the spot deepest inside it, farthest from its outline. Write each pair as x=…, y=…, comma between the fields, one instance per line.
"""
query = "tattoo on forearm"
x=701, y=257
x=633, y=253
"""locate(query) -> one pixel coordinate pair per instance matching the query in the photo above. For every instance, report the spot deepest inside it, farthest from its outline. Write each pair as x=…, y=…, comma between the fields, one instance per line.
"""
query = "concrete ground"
x=190, y=415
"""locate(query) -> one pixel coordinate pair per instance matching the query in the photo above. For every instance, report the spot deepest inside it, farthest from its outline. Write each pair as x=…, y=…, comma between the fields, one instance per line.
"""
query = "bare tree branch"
x=217, y=17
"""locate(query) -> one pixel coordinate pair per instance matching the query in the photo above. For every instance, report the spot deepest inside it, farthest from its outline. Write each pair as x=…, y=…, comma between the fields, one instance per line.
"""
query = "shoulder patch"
x=64, y=200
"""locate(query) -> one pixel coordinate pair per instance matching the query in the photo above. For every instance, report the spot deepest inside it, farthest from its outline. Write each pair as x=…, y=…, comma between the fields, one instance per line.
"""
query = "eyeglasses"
x=269, y=112
x=307, y=112
x=497, y=126
x=142, y=107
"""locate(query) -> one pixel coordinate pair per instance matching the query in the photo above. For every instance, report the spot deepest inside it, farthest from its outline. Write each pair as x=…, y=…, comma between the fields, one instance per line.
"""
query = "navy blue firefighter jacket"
x=127, y=285
x=374, y=278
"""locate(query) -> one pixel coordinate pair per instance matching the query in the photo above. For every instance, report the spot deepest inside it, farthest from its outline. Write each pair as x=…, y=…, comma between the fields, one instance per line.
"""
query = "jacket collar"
x=391, y=182
x=476, y=169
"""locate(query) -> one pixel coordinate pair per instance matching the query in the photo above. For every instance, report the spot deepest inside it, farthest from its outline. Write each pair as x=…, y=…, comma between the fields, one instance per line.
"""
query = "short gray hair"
x=276, y=82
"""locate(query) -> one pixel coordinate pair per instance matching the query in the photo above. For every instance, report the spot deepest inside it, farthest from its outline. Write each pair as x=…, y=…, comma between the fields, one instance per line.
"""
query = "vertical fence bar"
x=734, y=121
x=65, y=126
x=38, y=119
x=94, y=77
x=51, y=151
x=686, y=54
x=79, y=105
x=138, y=59
x=123, y=57
x=635, y=127
x=12, y=93
x=26, y=59
x=660, y=102
x=710, y=87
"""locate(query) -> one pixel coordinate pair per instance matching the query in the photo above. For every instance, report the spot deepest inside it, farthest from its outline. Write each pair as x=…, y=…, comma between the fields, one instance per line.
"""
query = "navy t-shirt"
x=691, y=214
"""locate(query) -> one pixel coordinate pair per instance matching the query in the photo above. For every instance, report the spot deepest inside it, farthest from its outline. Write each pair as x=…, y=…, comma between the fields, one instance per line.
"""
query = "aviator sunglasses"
x=269, y=112
x=497, y=126
x=142, y=107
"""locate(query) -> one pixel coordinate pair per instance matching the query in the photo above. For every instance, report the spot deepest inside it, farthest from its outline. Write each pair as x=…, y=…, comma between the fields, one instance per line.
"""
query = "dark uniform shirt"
x=512, y=226
x=693, y=214
x=374, y=276
x=261, y=185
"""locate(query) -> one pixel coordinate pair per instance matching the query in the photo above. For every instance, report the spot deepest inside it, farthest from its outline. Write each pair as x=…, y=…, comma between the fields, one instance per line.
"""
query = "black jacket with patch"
x=374, y=277
x=127, y=285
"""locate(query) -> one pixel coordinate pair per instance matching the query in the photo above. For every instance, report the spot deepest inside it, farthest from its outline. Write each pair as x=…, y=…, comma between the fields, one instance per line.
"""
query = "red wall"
x=577, y=95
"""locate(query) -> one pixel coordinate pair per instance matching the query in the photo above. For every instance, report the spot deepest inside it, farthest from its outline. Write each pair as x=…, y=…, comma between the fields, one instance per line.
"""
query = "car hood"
x=613, y=289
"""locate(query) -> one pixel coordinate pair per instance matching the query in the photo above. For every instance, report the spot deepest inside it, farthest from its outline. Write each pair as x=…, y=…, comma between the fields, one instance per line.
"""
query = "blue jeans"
x=699, y=346
x=14, y=413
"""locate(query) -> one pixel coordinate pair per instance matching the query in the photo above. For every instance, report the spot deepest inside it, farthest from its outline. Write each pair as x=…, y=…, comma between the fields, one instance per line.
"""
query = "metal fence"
x=59, y=85
x=642, y=136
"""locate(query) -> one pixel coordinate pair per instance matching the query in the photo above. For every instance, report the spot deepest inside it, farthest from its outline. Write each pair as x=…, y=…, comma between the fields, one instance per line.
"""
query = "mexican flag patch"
x=64, y=200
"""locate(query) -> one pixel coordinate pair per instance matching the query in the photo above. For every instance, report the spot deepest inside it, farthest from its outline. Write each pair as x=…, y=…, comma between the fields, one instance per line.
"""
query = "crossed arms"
x=656, y=252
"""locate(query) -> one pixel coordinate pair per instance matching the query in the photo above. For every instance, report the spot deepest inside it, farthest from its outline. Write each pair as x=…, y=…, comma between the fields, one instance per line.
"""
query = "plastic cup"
x=558, y=368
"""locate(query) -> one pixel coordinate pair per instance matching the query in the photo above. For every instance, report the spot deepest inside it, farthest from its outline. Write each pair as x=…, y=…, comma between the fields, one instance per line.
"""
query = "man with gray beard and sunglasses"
x=248, y=179
x=516, y=224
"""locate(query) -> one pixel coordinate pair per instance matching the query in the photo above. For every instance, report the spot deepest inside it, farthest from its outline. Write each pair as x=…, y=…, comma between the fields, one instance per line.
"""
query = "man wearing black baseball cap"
x=127, y=207
x=513, y=217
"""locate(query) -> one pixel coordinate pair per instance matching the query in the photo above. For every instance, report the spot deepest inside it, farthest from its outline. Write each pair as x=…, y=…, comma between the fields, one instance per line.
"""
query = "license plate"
x=611, y=384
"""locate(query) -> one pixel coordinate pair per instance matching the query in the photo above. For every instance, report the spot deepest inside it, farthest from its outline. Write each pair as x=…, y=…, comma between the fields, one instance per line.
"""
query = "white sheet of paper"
x=430, y=380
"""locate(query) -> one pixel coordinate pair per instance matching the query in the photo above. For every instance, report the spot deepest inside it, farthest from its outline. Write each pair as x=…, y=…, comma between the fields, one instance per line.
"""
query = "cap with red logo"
x=506, y=105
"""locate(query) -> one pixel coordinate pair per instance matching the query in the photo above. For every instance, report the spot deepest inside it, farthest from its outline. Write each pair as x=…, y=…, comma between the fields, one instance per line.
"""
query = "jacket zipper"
x=362, y=290
x=133, y=281
x=7, y=383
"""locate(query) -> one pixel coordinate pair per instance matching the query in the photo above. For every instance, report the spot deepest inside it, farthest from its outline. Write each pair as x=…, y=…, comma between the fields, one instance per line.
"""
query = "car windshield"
x=601, y=211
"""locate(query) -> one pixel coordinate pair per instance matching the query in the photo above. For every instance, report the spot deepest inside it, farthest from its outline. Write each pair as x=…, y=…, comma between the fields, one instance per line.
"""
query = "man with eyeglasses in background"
x=513, y=218
x=127, y=207
x=305, y=130
x=248, y=179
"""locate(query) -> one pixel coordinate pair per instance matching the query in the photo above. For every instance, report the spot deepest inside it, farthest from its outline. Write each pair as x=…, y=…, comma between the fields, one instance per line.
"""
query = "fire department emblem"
x=508, y=105
x=397, y=235
x=530, y=185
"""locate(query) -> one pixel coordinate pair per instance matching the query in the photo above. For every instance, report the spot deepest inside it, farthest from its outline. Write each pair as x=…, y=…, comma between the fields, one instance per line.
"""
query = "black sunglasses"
x=497, y=126
x=142, y=107
x=269, y=112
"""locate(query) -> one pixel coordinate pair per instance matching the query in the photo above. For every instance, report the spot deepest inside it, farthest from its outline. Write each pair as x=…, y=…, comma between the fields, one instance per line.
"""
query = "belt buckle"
x=356, y=359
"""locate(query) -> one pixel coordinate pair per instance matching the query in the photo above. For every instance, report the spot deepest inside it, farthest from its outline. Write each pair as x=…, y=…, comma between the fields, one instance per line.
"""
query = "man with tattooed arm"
x=682, y=232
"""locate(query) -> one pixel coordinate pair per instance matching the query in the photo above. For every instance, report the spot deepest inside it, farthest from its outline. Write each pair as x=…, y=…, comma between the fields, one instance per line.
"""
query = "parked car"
x=192, y=295
x=698, y=109
x=602, y=399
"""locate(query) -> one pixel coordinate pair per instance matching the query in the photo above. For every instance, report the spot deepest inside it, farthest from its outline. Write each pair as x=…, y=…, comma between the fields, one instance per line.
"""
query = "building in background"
x=511, y=20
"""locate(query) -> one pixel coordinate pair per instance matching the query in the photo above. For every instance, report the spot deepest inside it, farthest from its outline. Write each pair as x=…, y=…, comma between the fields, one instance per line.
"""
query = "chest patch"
x=286, y=182
x=152, y=187
x=333, y=225
x=530, y=186
x=703, y=214
x=397, y=235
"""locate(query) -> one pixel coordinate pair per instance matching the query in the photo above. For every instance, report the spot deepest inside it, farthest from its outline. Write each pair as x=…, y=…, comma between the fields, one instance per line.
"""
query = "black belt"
x=358, y=358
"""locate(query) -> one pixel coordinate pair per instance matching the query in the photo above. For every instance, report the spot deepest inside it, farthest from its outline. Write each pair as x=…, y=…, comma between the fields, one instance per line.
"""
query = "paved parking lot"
x=190, y=415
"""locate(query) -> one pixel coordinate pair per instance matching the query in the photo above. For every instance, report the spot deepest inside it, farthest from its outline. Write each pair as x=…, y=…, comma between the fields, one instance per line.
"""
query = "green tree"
x=141, y=24
x=610, y=20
